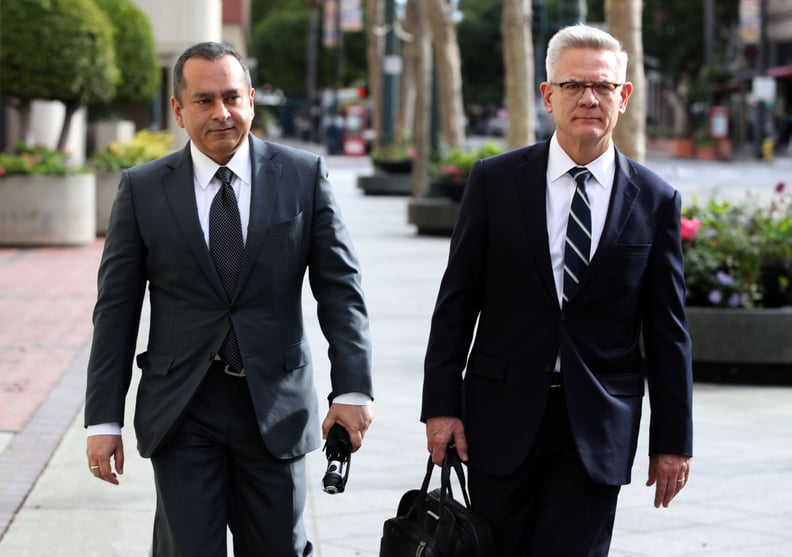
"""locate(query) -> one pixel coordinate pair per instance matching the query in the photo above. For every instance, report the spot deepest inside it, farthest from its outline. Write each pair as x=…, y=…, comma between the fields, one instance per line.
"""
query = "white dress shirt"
x=560, y=191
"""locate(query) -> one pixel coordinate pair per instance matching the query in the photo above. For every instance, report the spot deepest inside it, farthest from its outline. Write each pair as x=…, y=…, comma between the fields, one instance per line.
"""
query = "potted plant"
x=47, y=199
x=451, y=171
x=705, y=146
x=392, y=171
x=738, y=272
x=146, y=145
x=393, y=158
x=436, y=212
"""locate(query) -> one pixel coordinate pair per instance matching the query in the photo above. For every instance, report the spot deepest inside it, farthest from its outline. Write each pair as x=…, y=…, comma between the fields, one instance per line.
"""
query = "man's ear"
x=177, y=111
x=624, y=97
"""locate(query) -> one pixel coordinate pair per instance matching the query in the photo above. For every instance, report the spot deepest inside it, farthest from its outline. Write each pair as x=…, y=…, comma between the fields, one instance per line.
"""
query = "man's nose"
x=220, y=112
x=589, y=97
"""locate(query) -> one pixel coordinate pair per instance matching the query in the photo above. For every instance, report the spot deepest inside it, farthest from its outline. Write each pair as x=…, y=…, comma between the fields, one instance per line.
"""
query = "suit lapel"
x=266, y=175
x=179, y=190
x=531, y=184
x=625, y=191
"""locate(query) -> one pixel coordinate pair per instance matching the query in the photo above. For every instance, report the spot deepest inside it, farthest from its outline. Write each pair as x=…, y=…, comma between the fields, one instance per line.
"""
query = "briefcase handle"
x=450, y=461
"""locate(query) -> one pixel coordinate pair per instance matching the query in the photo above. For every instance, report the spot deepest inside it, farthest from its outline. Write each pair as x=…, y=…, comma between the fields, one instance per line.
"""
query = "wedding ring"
x=681, y=480
x=94, y=467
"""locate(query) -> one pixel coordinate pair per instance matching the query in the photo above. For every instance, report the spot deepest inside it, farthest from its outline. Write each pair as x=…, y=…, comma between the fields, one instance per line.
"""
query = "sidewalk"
x=737, y=502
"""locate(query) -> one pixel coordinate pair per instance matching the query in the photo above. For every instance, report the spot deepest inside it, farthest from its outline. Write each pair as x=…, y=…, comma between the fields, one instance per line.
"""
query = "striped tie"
x=577, y=248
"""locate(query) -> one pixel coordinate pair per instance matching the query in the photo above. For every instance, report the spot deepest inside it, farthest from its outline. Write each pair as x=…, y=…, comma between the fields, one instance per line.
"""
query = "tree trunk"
x=423, y=101
x=519, y=72
x=448, y=66
x=624, y=22
x=23, y=107
x=374, y=56
x=71, y=109
x=405, y=120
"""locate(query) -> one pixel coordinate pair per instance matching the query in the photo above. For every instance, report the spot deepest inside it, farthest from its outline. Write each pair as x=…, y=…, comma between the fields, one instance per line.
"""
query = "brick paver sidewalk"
x=46, y=299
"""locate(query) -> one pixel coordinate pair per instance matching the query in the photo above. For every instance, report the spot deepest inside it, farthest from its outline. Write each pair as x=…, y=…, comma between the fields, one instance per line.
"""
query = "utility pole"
x=390, y=71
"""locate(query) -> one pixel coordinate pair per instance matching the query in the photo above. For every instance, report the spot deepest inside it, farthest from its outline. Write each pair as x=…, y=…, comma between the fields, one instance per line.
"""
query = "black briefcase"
x=433, y=523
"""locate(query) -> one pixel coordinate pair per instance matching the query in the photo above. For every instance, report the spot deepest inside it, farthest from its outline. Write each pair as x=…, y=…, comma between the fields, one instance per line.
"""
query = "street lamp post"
x=389, y=76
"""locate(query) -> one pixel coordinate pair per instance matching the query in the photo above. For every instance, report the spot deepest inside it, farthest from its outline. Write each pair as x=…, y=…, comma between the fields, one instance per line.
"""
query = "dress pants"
x=549, y=507
x=215, y=472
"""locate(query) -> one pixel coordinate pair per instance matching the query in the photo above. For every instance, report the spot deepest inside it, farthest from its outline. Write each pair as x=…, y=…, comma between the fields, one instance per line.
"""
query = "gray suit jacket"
x=154, y=237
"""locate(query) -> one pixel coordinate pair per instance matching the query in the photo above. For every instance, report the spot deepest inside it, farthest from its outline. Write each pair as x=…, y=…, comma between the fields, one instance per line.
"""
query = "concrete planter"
x=106, y=189
x=433, y=216
x=753, y=345
x=386, y=183
x=48, y=210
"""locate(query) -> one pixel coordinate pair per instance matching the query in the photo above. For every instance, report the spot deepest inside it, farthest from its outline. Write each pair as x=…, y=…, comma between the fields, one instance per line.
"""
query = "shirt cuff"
x=111, y=428
x=353, y=399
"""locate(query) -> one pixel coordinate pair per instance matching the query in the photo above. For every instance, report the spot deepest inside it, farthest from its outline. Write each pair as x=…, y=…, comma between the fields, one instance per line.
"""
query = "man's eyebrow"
x=208, y=94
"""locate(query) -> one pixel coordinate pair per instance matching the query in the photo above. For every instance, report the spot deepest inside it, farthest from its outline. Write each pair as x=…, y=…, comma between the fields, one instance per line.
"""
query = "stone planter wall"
x=48, y=210
x=386, y=183
x=433, y=216
x=747, y=345
x=106, y=189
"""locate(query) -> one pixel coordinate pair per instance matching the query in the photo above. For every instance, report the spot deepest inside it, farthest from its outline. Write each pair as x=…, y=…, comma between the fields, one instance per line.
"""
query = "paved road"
x=737, y=502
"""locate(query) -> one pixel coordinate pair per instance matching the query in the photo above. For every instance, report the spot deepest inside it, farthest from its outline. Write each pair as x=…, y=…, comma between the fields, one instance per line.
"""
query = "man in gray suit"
x=226, y=407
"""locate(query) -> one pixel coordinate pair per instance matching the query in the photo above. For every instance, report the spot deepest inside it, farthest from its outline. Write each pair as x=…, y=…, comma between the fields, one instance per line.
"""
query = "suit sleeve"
x=335, y=279
x=116, y=316
x=667, y=342
x=458, y=304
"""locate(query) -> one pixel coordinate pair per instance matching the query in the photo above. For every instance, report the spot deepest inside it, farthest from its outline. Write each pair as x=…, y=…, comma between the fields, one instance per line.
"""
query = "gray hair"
x=207, y=51
x=583, y=36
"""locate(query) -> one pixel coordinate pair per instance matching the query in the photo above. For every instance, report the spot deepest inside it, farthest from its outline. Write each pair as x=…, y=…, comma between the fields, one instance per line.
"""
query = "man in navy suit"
x=547, y=411
x=222, y=233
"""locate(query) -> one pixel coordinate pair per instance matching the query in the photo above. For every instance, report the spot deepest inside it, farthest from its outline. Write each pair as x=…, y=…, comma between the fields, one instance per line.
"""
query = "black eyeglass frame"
x=575, y=93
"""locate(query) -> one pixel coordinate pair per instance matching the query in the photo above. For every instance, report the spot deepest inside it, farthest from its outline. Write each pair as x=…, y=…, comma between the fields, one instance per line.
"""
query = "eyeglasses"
x=573, y=90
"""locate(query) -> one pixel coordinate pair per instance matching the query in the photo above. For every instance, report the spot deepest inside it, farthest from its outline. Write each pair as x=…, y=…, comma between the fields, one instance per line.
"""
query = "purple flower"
x=715, y=297
x=734, y=300
x=725, y=278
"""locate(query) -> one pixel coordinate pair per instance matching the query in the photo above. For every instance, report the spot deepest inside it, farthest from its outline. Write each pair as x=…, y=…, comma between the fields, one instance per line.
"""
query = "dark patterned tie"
x=577, y=247
x=227, y=247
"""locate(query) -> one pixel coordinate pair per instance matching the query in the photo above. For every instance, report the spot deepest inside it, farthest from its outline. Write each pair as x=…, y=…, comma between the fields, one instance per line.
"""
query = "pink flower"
x=452, y=171
x=780, y=187
x=689, y=229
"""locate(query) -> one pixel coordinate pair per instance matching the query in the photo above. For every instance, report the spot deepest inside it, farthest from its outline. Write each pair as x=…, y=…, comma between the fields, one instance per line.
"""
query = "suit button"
x=212, y=356
x=562, y=316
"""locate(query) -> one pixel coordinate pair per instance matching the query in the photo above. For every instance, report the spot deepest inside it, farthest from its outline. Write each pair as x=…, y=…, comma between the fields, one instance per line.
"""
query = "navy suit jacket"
x=623, y=327
x=154, y=237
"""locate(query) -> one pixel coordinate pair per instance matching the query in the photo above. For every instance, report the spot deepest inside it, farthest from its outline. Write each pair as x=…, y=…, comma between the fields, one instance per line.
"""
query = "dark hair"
x=209, y=51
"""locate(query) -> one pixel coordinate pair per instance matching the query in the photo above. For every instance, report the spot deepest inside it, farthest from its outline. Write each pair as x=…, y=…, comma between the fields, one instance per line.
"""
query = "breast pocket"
x=284, y=236
x=632, y=250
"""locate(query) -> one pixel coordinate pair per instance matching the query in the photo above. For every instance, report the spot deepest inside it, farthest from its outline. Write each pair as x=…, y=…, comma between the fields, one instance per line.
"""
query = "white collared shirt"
x=560, y=191
x=207, y=186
